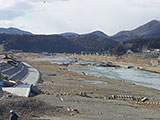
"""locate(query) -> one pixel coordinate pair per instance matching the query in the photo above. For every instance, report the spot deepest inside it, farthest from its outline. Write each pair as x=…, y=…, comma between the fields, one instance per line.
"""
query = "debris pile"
x=137, y=100
x=83, y=94
x=29, y=108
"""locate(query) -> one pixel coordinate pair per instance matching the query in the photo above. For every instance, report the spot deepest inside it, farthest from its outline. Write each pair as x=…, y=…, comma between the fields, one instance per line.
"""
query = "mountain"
x=39, y=43
x=12, y=30
x=146, y=36
x=100, y=34
x=96, y=41
x=93, y=42
x=148, y=30
x=69, y=34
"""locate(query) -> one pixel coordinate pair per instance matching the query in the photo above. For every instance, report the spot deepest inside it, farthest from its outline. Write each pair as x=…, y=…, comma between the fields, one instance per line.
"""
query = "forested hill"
x=137, y=45
x=39, y=43
x=76, y=44
x=93, y=43
x=56, y=43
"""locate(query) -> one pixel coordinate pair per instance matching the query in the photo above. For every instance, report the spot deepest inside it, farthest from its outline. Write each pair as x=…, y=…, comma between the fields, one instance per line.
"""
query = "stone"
x=144, y=99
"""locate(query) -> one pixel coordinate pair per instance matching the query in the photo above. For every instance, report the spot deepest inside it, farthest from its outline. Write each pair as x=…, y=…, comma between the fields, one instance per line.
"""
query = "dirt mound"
x=29, y=108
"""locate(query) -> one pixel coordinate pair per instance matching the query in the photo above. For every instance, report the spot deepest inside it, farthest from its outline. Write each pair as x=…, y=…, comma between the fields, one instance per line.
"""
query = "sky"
x=79, y=16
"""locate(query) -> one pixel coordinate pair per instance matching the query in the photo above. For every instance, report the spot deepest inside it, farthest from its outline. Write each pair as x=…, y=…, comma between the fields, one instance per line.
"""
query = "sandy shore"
x=111, y=100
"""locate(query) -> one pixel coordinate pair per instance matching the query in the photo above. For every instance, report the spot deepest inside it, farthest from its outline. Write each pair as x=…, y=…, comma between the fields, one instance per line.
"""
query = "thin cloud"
x=42, y=1
x=15, y=10
x=82, y=16
x=10, y=14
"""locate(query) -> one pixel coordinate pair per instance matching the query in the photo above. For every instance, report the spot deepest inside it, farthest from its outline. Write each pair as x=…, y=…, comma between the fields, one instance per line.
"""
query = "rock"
x=83, y=94
x=75, y=110
x=113, y=96
x=83, y=73
x=72, y=114
x=35, y=90
x=57, y=95
x=100, y=113
x=61, y=99
x=144, y=99
x=104, y=98
x=9, y=96
x=96, y=89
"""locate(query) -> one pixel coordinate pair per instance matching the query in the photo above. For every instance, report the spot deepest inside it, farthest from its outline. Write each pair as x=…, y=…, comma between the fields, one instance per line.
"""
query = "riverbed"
x=138, y=77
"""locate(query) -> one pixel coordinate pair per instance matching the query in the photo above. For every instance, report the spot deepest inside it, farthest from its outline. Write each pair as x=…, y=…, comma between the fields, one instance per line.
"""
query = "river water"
x=138, y=77
x=57, y=59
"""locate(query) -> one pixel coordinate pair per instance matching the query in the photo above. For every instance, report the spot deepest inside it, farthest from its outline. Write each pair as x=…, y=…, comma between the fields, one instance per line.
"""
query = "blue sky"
x=80, y=16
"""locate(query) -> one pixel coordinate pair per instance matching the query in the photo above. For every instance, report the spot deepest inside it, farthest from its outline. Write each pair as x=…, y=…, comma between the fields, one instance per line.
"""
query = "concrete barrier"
x=31, y=78
x=20, y=90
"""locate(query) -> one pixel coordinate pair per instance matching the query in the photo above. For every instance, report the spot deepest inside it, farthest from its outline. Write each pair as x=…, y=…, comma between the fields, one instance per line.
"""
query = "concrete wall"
x=30, y=78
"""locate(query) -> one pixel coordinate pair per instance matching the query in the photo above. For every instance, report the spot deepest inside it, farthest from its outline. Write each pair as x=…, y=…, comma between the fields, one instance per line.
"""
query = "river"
x=138, y=77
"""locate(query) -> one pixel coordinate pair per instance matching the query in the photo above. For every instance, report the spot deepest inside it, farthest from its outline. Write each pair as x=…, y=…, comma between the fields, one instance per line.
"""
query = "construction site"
x=17, y=83
x=41, y=89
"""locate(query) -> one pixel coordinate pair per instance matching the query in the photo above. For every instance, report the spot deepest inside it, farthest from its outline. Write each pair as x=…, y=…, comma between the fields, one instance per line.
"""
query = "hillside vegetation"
x=39, y=43
x=145, y=37
x=93, y=43
x=137, y=45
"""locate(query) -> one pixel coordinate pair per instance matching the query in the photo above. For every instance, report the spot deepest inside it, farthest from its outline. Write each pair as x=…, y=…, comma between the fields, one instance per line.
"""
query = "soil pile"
x=29, y=108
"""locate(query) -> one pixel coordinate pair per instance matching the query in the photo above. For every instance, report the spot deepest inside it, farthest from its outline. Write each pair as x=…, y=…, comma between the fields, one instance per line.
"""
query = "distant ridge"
x=99, y=33
x=93, y=42
x=69, y=34
x=142, y=38
x=12, y=30
x=148, y=30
